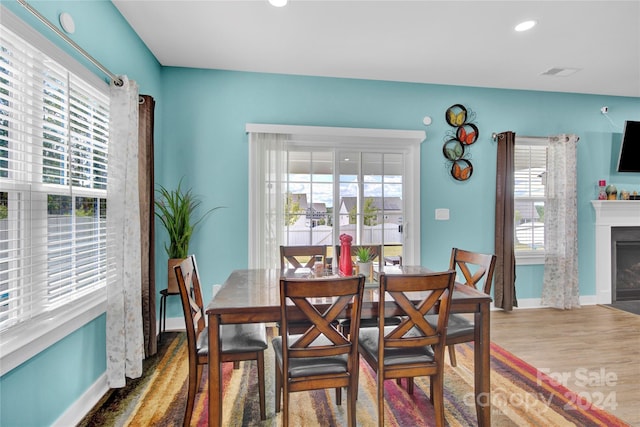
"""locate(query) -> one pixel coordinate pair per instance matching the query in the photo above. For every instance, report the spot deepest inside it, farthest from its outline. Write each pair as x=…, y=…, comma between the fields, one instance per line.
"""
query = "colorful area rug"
x=521, y=396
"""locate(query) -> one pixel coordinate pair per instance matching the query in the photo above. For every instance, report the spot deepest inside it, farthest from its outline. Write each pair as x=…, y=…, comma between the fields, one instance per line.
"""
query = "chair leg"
x=198, y=376
x=278, y=387
x=410, y=385
x=260, y=361
x=338, y=395
x=380, y=400
x=236, y=364
x=352, y=391
x=452, y=355
x=431, y=389
x=356, y=374
x=437, y=399
x=285, y=405
x=191, y=395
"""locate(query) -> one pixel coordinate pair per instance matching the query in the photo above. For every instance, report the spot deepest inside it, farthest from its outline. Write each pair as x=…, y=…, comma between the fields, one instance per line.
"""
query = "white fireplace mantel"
x=610, y=213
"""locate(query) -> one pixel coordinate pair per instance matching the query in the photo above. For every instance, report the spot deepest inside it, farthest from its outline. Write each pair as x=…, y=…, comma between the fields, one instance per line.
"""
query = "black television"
x=629, y=159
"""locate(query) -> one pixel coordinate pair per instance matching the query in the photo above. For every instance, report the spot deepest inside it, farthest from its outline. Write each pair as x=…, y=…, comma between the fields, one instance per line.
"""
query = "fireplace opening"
x=625, y=263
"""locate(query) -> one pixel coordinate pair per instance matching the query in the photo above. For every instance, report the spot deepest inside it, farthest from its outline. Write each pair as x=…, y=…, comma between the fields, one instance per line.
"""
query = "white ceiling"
x=467, y=43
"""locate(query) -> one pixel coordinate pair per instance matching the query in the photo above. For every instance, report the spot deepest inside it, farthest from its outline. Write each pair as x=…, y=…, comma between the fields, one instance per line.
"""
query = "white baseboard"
x=173, y=324
x=537, y=302
x=81, y=407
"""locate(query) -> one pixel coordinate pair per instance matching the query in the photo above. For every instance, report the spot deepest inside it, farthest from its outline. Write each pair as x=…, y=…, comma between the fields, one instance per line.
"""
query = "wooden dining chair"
x=238, y=342
x=414, y=347
x=301, y=256
x=322, y=357
x=476, y=269
x=376, y=251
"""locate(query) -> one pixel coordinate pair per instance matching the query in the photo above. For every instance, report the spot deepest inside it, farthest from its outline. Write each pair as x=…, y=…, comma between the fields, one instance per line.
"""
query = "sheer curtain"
x=267, y=170
x=560, y=287
x=125, y=342
x=504, y=277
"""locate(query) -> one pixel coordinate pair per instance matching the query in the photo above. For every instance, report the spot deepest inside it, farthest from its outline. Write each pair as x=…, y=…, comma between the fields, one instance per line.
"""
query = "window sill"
x=21, y=343
x=530, y=258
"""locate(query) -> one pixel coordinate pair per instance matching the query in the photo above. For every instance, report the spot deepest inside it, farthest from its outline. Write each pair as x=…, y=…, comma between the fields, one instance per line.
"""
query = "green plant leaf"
x=175, y=209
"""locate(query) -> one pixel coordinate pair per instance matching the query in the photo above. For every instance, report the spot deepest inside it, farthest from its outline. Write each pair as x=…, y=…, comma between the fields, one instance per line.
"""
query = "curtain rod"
x=494, y=136
x=115, y=79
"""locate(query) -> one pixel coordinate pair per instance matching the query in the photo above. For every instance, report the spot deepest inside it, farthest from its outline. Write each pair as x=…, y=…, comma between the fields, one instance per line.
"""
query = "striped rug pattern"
x=521, y=396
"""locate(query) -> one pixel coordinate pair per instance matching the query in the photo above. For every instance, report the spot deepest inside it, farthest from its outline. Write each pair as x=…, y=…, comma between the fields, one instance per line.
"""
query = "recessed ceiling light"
x=526, y=25
x=278, y=3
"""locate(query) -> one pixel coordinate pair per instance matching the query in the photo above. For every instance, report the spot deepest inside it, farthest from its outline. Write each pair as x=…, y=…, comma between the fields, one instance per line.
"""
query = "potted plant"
x=176, y=209
x=364, y=260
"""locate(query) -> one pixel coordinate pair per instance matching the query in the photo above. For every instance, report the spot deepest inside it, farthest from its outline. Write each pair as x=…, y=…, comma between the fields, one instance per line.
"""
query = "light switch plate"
x=442, y=214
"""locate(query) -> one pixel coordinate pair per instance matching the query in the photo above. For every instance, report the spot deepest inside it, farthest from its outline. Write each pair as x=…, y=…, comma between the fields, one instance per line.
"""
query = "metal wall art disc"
x=467, y=133
x=461, y=170
x=453, y=149
x=456, y=115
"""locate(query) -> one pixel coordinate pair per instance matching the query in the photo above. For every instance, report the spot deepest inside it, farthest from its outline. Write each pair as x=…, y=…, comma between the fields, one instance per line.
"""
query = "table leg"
x=215, y=374
x=482, y=366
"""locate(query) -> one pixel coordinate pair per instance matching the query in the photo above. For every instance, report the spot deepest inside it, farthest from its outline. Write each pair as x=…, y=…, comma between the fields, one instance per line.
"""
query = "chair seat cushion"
x=243, y=338
x=457, y=326
x=303, y=366
x=393, y=356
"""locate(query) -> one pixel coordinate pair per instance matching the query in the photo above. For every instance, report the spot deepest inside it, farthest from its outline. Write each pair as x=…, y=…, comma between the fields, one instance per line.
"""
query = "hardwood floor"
x=593, y=350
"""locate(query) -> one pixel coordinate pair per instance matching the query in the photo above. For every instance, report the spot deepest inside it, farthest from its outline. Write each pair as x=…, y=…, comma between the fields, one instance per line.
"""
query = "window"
x=529, y=195
x=309, y=185
x=54, y=130
x=368, y=207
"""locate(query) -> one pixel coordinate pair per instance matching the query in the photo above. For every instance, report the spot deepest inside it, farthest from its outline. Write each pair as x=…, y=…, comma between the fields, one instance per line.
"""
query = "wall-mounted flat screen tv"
x=629, y=160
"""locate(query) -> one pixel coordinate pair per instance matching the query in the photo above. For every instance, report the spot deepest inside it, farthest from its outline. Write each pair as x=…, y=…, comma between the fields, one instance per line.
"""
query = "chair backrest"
x=375, y=250
x=337, y=296
x=474, y=268
x=301, y=256
x=191, y=296
x=414, y=330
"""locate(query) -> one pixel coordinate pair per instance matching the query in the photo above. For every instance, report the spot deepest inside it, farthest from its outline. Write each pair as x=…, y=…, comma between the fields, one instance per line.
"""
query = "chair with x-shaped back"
x=322, y=357
x=301, y=256
x=239, y=342
x=376, y=253
x=414, y=347
x=477, y=271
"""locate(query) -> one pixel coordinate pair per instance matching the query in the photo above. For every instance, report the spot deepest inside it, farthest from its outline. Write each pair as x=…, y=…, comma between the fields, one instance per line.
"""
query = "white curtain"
x=125, y=340
x=560, y=287
x=267, y=172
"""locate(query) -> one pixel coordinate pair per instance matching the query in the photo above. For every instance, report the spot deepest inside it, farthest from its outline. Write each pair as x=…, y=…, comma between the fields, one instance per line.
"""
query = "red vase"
x=345, y=266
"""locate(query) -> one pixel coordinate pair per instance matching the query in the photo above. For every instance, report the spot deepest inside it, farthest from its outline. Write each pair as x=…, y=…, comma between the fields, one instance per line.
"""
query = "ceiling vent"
x=560, y=72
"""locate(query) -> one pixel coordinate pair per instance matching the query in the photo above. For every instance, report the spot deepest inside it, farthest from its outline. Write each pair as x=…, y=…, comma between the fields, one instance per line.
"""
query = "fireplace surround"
x=625, y=263
x=610, y=214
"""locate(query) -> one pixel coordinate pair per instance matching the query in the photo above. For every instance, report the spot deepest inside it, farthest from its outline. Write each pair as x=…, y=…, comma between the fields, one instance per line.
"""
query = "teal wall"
x=38, y=391
x=220, y=103
x=200, y=122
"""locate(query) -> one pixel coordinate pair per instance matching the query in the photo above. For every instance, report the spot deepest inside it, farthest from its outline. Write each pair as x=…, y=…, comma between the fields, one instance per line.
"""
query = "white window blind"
x=530, y=170
x=53, y=178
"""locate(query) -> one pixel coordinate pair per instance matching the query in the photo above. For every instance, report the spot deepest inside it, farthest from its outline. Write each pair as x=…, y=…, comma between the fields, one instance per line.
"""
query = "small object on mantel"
x=612, y=192
x=602, y=194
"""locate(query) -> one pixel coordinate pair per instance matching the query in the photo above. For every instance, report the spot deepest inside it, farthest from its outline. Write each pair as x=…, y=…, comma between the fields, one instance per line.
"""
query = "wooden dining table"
x=253, y=296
